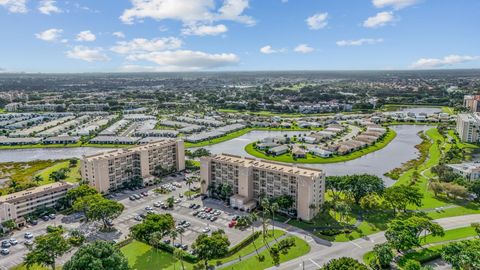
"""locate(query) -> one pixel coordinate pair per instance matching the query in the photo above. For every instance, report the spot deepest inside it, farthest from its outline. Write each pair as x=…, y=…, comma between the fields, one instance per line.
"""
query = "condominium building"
x=16, y=205
x=468, y=127
x=472, y=102
x=110, y=170
x=470, y=170
x=251, y=179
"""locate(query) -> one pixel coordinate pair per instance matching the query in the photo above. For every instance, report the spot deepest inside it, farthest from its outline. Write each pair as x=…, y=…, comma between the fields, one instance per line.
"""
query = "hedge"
x=245, y=242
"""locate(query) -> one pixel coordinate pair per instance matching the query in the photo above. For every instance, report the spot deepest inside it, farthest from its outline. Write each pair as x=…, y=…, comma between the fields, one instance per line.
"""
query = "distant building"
x=468, y=127
x=110, y=170
x=472, y=102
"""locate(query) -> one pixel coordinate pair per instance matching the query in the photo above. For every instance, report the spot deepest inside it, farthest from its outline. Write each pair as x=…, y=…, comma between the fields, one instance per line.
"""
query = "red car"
x=232, y=224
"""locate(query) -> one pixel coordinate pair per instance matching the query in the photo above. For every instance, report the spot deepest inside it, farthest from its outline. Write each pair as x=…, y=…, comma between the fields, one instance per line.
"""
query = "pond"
x=24, y=155
x=427, y=110
x=400, y=150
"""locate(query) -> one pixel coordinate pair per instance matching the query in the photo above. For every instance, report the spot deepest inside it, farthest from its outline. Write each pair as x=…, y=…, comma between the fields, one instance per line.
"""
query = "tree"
x=415, y=265
x=189, y=182
x=337, y=185
x=79, y=192
x=404, y=233
x=344, y=263
x=170, y=201
x=361, y=185
x=73, y=162
x=83, y=204
x=436, y=187
x=59, y=175
x=455, y=190
x=104, y=210
x=265, y=211
x=474, y=188
x=153, y=223
x=173, y=235
x=383, y=256
x=99, y=255
x=463, y=255
x=211, y=247
x=476, y=227
x=343, y=209
x=46, y=249
x=273, y=208
x=399, y=197
x=285, y=202
x=179, y=254
x=37, y=178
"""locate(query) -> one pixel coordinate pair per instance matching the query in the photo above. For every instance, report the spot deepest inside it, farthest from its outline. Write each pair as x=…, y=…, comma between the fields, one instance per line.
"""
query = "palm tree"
x=173, y=236
x=273, y=208
x=265, y=211
x=251, y=219
x=37, y=178
x=189, y=182
x=179, y=253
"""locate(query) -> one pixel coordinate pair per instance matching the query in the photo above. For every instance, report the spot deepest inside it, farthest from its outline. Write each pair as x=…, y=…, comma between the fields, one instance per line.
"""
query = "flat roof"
x=112, y=153
x=30, y=191
x=266, y=164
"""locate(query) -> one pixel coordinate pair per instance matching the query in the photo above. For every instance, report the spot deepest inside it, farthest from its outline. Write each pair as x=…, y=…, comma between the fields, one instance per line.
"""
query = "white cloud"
x=118, y=34
x=48, y=7
x=445, y=61
x=317, y=21
x=204, y=30
x=379, y=20
x=50, y=35
x=359, y=42
x=187, y=11
x=397, y=4
x=269, y=50
x=87, y=54
x=86, y=36
x=303, y=48
x=142, y=45
x=14, y=6
x=186, y=59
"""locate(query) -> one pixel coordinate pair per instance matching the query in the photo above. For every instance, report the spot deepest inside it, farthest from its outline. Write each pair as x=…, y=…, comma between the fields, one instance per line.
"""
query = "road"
x=322, y=251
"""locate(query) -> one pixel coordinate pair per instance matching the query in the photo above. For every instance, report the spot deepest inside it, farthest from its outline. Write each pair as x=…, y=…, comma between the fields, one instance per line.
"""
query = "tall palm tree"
x=173, y=236
x=265, y=211
x=179, y=253
x=189, y=182
x=251, y=219
x=37, y=178
x=273, y=208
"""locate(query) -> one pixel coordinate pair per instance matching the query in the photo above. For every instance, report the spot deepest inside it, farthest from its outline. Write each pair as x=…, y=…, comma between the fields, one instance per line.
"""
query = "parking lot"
x=134, y=208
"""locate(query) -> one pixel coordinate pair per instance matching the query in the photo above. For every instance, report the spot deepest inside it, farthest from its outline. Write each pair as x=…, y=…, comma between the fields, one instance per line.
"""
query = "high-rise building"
x=110, y=170
x=251, y=179
x=472, y=102
x=468, y=127
x=19, y=204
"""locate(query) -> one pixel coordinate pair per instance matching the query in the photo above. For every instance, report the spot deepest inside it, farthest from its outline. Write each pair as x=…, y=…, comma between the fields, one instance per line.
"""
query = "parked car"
x=149, y=208
x=195, y=213
x=177, y=245
x=28, y=242
x=232, y=224
x=28, y=235
x=184, y=247
x=157, y=204
x=138, y=218
x=6, y=244
x=144, y=193
x=45, y=218
x=5, y=251
x=206, y=230
x=33, y=222
x=132, y=198
x=13, y=241
x=52, y=216
x=166, y=241
x=213, y=218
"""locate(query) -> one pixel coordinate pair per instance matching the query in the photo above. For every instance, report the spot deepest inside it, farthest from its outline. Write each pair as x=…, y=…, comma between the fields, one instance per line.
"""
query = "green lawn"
x=143, y=257
x=72, y=176
x=301, y=248
x=454, y=234
x=35, y=267
x=287, y=157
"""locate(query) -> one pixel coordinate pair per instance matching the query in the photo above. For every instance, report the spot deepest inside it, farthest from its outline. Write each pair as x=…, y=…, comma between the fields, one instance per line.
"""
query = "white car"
x=206, y=230
x=28, y=235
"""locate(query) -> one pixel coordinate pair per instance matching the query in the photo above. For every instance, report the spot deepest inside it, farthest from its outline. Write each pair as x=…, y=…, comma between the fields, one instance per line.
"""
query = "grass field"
x=287, y=157
x=72, y=176
x=142, y=256
x=301, y=248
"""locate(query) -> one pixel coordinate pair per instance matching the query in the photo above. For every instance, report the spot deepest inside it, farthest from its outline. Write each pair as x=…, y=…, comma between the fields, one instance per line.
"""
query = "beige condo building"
x=251, y=178
x=19, y=204
x=109, y=170
x=468, y=127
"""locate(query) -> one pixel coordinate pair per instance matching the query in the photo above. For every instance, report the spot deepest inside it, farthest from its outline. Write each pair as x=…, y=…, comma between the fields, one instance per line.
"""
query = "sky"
x=235, y=35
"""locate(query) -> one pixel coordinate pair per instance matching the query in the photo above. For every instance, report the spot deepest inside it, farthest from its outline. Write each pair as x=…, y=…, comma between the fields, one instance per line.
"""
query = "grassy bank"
x=287, y=157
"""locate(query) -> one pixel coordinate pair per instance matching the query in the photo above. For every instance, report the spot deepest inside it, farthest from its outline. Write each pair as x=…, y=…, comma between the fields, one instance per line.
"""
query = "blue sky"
x=195, y=35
